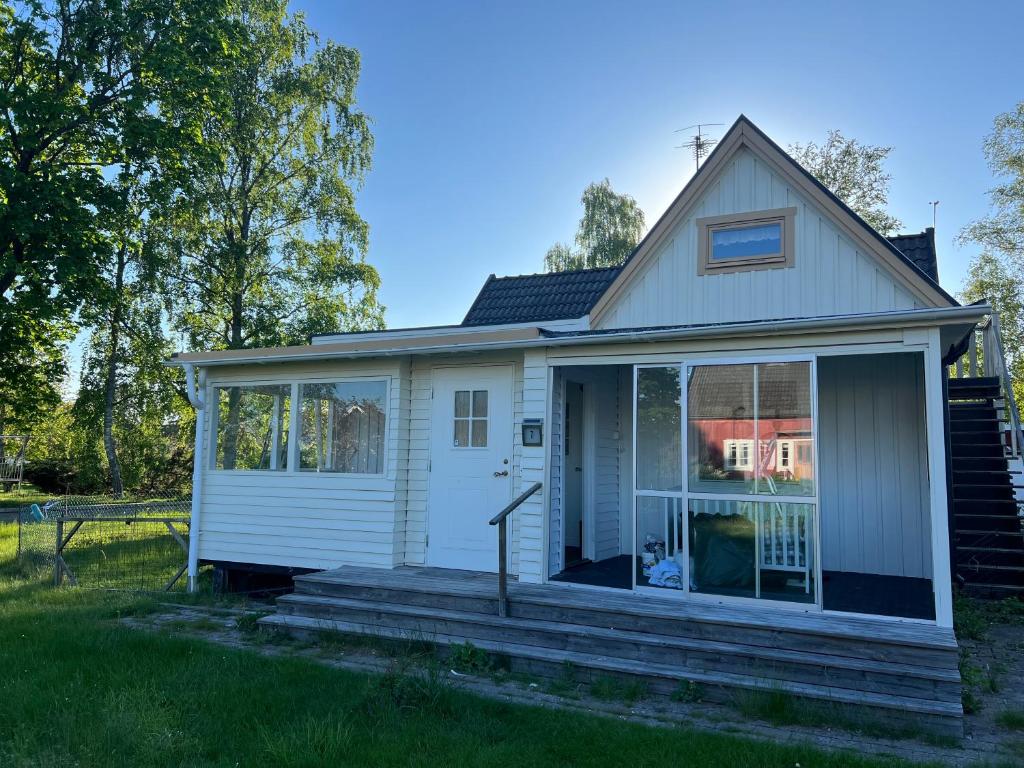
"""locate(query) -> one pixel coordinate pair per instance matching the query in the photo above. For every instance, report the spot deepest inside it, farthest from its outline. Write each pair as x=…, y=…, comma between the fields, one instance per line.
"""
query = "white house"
x=747, y=419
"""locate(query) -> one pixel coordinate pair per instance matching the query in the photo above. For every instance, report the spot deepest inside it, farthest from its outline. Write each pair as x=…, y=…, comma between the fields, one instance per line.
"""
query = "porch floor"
x=901, y=670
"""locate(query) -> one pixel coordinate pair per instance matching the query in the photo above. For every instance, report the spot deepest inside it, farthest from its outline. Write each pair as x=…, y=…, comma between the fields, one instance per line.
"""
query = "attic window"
x=742, y=241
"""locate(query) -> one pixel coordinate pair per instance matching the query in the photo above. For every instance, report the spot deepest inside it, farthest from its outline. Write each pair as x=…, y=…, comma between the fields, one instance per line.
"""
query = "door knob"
x=503, y=473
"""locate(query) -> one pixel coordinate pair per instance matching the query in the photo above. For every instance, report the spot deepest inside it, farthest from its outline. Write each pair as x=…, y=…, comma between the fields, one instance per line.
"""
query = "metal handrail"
x=501, y=520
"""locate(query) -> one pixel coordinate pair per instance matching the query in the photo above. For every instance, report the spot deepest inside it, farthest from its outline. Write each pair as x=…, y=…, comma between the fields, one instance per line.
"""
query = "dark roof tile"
x=920, y=249
x=536, y=298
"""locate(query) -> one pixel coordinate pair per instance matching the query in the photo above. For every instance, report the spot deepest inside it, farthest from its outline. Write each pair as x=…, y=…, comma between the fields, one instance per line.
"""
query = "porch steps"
x=891, y=668
x=986, y=531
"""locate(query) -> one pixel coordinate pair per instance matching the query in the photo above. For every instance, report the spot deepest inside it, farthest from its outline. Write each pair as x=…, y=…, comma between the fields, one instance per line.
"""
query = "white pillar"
x=942, y=578
x=199, y=402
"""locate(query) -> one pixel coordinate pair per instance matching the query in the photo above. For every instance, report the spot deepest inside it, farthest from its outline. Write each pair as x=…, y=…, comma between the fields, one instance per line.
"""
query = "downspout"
x=195, y=397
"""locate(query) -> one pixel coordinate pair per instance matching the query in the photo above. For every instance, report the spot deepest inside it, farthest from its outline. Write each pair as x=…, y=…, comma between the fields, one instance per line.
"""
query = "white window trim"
x=293, y=428
x=707, y=225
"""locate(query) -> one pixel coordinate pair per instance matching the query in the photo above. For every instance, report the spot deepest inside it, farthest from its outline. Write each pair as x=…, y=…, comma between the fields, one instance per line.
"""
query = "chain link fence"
x=105, y=543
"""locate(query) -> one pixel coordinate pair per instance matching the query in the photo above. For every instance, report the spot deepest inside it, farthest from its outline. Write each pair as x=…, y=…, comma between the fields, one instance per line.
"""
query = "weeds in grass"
x=972, y=677
x=325, y=740
x=565, y=684
x=689, y=692
x=467, y=658
x=1011, y=719
x=972, y=618
x=248, y=624
x=771, y=704
x=607, y=688
x=399, y=693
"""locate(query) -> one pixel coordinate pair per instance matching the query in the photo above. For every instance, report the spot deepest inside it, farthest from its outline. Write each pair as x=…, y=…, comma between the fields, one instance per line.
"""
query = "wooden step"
x=992, y=523
x=791, y=630
x=957, y=425
x=982, y=492
x=987, y=437
x=991, y=574
x=940, y=716
x=968, y=410
x=983, y=450
x=970, y=555
x=700, y=655
x=998, y=539
x=980, y=464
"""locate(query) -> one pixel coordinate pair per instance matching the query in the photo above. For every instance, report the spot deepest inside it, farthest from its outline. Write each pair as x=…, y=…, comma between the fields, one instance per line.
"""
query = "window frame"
x=294, y=427
x=708, y=225
x=470, y=419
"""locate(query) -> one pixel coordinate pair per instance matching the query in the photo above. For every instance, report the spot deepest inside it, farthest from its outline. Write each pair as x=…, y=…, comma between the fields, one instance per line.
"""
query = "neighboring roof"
x=920, y=249
x=743, y=131
x=727, y=392
x=536, y=298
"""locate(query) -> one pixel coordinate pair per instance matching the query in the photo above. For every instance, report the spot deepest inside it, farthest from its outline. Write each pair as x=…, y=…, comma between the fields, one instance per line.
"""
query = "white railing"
x=991, y=362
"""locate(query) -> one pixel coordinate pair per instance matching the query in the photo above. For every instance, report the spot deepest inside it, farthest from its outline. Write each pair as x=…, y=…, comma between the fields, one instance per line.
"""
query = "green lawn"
x=77, y=689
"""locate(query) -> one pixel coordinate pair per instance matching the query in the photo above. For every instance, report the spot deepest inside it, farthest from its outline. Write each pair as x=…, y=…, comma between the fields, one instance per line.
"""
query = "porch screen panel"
x=750, y=445
x=659, y=535
x=344, y=427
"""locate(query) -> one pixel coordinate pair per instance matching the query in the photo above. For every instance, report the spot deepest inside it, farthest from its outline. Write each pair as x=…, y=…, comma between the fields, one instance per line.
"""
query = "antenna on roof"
x=700, y=144
x=934, y=204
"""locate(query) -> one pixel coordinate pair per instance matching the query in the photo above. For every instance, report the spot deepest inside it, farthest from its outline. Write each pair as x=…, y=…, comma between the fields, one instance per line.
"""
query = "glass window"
x=752, y=549
x=344, y=426
x=758, y=241
x=470, y=419
x=659, y=537
x=737, y=448
x=658, y=430
x=252, y=427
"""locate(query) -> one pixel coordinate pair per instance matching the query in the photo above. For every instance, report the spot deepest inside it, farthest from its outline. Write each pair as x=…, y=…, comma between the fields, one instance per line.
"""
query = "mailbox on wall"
x=533, y=433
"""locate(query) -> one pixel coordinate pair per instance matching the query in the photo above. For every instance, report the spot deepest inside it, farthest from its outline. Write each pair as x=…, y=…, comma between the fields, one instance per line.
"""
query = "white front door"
x=471, y=465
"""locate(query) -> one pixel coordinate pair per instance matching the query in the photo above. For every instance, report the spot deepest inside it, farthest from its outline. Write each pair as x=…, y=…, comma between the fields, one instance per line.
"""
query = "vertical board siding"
x=830, y=276
x=418, y=469
x=305, y=519
x=874, y=465
x=555, y=474
x=531, y=512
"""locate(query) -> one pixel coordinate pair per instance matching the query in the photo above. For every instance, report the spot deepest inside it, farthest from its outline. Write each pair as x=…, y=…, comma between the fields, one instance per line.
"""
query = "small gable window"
x=756, y=240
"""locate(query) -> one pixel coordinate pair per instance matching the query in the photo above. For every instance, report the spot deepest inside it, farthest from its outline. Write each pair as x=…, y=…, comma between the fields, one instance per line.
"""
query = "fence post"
x=58, y=574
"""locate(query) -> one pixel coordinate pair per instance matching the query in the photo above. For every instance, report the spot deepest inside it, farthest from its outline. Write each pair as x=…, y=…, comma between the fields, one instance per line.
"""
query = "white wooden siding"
x=830, y=275
x=874, y=465
x=557, y=452
x=304, y=519
x=531, y=512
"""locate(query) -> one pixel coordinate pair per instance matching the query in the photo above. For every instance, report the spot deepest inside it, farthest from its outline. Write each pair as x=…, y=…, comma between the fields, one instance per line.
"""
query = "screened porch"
x=798, y=481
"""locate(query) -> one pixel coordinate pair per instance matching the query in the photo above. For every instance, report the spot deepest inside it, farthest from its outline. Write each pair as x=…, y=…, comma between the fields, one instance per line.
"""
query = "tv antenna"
x=934, y=204
x=700, y=144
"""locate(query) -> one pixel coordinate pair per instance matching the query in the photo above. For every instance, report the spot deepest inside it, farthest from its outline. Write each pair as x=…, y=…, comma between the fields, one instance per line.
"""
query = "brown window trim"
x=709, y=224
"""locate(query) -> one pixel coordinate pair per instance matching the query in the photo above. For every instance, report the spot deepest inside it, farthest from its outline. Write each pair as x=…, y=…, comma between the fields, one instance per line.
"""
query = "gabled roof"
x=743, y=133
x=538, y=298
x=920, y=249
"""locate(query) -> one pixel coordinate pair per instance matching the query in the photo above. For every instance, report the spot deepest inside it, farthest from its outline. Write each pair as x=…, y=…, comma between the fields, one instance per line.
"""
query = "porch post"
x=942, y=578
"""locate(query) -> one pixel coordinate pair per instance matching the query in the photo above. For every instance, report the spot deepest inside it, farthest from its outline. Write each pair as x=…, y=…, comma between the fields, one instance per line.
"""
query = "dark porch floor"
x=865, y=593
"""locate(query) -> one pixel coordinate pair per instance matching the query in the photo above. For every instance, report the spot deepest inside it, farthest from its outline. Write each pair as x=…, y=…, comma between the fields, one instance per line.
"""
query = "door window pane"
x=658, y=430
x=470, y=419
x=343, y=427
x=252, y=427
x=720, y=429
x=753, y=549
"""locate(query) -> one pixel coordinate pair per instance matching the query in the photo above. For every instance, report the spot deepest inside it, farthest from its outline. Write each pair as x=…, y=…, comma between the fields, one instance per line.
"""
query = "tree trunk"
x=110, y=393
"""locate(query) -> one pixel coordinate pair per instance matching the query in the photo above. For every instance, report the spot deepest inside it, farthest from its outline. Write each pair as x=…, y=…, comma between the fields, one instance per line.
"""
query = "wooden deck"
x=897, y=670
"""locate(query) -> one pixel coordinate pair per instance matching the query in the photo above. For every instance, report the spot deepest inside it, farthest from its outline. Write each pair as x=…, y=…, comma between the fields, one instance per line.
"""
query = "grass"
x=82, y=689
x=1011, y=719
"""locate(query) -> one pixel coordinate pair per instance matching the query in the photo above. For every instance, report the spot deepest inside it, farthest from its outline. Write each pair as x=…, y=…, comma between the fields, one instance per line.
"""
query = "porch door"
x=471, y=465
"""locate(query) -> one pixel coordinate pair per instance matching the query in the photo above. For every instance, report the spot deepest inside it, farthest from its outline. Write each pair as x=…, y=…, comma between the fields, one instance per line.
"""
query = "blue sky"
x=490, y=118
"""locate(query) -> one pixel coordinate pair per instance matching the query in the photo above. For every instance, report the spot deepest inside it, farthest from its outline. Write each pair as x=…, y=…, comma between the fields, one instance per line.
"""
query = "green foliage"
x=689, y=691
x=265, y=243
x=1002, y=232
x=78, y=92
x=467, y=658
x=610, y=229
x=607, y=688
x=997, y=279
x=1011, y=719
x=855, y=173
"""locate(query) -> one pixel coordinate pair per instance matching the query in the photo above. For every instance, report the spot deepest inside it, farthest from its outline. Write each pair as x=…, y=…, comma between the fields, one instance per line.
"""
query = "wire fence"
x=96, y=542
